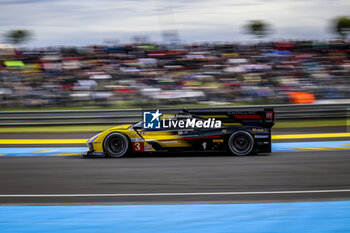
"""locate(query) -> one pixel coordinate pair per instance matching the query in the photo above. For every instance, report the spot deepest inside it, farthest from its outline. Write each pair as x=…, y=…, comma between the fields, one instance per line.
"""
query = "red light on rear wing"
x=247, y=116
x=269, y=116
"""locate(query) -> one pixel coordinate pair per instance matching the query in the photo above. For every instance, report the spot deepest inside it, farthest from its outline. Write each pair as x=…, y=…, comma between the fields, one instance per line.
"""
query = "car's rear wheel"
x=241, y=143
x=116, y=145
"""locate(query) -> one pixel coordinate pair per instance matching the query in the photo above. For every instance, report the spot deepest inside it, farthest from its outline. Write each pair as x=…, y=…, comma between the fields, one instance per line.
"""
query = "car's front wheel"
x=241, y=143
x=116, y=145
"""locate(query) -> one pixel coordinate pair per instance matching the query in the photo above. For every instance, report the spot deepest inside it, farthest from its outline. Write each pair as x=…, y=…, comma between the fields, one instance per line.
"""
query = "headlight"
x=93, y=138
x=89, y=142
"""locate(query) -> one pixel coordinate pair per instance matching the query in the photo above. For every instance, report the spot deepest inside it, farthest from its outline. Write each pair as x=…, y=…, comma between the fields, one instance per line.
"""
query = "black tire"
x=116, y=145
x=241, y=143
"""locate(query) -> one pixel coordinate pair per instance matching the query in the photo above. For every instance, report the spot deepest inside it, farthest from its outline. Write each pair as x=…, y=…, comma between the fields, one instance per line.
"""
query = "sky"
x=83, y=22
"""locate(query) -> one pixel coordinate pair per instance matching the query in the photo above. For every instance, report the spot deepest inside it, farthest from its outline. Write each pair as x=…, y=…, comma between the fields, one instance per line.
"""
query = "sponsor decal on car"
x=261, y=136
x=139, y=145
x=218, y=140
x=261, y=130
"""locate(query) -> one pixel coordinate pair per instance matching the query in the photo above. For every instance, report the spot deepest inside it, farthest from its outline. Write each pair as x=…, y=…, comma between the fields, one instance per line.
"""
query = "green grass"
x=54, y=129
x=312, y=123
x=99, y=128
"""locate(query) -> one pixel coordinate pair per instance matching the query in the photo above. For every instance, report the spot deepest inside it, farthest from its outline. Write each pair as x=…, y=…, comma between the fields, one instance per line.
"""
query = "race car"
x=237, y=132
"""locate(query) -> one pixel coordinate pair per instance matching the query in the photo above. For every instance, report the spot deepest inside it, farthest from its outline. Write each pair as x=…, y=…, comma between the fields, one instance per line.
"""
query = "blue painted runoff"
x=40, y=151
x=290, y=146
x=300, y=217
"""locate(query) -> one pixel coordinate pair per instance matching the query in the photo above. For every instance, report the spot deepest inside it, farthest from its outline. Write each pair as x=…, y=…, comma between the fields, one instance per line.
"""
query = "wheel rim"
x=241, y=143
x=116, y=145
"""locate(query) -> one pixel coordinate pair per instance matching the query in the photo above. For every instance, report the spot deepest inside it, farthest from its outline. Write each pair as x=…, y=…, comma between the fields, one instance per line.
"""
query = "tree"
x=17, y=36
x=258, y=28
x=342, y=26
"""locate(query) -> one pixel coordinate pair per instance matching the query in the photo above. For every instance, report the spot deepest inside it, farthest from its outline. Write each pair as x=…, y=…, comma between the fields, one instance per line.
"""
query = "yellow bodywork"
x=163, y=138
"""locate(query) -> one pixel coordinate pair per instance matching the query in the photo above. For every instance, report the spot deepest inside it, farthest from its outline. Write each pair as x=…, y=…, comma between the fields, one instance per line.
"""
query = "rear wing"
x=265, y=118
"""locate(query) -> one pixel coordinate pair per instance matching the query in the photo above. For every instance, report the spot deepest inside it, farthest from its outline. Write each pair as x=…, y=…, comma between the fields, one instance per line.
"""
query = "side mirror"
x=137, y=127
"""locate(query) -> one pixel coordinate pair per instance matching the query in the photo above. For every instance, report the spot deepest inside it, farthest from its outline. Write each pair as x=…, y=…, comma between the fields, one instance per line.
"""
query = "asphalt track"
x=175, y=178
x=184, y=178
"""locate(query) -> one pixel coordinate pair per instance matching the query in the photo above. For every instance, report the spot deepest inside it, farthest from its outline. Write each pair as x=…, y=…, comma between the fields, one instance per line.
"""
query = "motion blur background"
x=130, y=54
x=87, y=57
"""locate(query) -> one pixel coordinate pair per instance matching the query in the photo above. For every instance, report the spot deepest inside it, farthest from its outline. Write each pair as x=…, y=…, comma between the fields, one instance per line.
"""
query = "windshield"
x=137, y=125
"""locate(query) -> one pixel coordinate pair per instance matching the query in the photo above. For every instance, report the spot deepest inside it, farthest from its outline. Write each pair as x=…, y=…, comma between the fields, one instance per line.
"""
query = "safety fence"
x=92, y=117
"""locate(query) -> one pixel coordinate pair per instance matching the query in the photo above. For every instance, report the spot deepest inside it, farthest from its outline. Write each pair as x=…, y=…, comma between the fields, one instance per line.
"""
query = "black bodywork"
x=257, y=123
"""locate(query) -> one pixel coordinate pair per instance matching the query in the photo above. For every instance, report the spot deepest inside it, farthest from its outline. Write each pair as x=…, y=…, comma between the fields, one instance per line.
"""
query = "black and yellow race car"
x=237, y=132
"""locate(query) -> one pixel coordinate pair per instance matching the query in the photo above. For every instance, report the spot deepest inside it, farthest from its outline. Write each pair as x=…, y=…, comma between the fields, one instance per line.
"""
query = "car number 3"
x=137, y=146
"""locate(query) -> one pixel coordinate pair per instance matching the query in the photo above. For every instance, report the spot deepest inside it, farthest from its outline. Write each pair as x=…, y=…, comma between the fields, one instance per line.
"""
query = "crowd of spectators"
x=139, y=75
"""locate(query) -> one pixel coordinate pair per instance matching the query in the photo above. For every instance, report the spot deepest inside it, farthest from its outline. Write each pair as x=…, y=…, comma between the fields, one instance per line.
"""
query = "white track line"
x=175, y=194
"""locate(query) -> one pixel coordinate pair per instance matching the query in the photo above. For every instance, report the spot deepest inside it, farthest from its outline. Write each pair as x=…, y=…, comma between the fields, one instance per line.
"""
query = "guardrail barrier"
x=92, y=117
